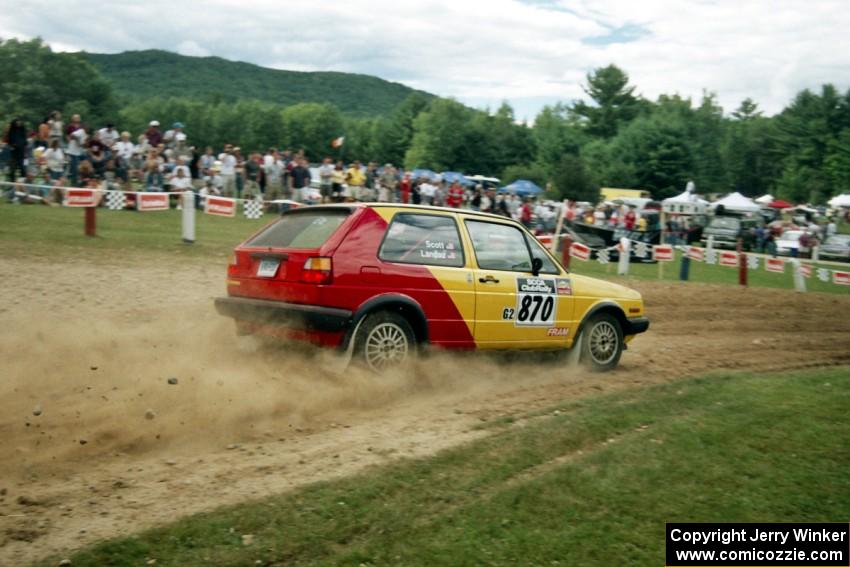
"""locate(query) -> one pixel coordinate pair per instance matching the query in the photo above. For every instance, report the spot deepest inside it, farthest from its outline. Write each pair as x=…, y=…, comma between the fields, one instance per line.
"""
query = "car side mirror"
x=536, y=265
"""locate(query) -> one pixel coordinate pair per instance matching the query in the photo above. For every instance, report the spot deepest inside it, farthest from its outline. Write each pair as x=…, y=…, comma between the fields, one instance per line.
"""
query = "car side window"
x=499, y=246
x=537, y=251
x=422, y=239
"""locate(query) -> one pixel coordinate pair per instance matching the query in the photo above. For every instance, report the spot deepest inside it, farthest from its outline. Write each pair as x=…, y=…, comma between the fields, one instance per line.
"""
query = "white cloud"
x=189, y=47
x=483, y=51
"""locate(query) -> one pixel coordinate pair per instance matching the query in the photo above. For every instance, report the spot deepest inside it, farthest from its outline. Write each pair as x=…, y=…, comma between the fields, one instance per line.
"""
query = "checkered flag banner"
x=640, y=249
x=823, y=274
x=711, y=256
x=603, y=256
x=753, y=262
x=253, y=209
x=115, y=200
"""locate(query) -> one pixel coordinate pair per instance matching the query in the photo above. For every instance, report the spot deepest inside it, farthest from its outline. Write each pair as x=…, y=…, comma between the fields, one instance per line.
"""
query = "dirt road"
x=95, y=442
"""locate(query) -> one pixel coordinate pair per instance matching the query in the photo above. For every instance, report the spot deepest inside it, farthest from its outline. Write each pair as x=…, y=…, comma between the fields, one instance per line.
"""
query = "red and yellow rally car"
x=379, y=280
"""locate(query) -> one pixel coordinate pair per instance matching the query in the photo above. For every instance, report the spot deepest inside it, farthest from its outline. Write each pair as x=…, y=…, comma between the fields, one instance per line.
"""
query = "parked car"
x=836, y=247
x=379, y=281
x=726, y=231
x=788, y=243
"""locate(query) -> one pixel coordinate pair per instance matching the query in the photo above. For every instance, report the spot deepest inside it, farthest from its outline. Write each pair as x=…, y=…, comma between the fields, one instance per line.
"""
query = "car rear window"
x=309, y=229
x=422, y=239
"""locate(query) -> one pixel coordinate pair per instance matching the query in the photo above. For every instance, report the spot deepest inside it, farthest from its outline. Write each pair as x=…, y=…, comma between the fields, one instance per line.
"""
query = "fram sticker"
x=558, y=332
x=564, y=286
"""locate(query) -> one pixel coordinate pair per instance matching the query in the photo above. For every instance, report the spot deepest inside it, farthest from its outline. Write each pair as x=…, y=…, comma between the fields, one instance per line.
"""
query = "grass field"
x=52, y=230
x=584, y=483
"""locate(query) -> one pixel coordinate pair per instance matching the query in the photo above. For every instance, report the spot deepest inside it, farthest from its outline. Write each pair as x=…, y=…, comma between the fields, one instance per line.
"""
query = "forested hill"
x=156, y=73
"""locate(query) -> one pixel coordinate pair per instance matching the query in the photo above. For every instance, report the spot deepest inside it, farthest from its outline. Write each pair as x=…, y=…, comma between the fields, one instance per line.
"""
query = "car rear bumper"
x=292, y=315
x=636, y=325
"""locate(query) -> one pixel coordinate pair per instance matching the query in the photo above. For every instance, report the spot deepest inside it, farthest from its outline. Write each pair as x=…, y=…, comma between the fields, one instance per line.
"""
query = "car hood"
x=591, y=287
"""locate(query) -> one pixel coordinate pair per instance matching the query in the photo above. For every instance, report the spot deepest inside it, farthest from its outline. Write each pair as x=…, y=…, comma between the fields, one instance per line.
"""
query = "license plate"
x=268, y=268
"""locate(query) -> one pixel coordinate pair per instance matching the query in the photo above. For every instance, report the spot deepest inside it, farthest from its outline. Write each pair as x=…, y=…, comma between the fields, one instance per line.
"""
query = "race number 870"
x=535, y=309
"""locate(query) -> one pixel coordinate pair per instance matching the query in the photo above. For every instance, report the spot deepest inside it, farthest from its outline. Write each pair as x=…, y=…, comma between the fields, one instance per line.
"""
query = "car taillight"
x=232, y=263
x=317, y=270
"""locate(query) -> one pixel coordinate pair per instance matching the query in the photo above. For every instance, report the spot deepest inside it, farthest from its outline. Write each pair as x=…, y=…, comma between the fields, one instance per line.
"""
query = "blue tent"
x=424, y=174
x=522, y=187
x=452, y=176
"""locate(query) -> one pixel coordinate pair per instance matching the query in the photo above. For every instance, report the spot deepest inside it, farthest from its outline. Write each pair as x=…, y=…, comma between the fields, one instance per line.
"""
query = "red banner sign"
x=729, y=258
x=841, y=278
x=663, y=253
x=152, y=202
x=545, y=239
x=806, y=270
x=775, y=265
x=695, y=253
x=580, y=251
x=220, y=206
x=81, y=198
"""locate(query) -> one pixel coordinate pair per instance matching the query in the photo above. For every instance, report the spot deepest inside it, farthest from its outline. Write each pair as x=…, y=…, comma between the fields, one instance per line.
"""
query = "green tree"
x=571, y=180
x=34, y=81
x=439, y=136
x=615, y=102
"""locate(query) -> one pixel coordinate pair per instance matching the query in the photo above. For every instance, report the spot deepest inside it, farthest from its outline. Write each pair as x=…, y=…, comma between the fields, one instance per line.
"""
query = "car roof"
x=353, y=206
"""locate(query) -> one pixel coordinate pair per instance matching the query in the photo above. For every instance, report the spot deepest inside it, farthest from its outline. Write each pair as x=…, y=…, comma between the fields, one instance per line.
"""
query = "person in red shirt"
x=404, y=188
x=629, y=219
x=455, y=197
x=525, y=214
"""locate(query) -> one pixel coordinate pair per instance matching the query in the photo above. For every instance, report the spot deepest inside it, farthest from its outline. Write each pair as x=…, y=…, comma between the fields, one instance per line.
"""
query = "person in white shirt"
x=122, y=152
x=228, y=171
x=108, y=136
x=427, y=191
x=54, y=157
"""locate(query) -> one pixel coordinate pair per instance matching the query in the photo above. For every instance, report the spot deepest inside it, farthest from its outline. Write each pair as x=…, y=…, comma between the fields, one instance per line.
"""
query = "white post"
x=625, y=256
x=799, y=280
x=815, y=253
x=188, y=217
x=709, y=243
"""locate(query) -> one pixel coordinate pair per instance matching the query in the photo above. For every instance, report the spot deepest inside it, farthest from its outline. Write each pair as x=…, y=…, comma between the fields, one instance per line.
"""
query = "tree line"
x=616, y=138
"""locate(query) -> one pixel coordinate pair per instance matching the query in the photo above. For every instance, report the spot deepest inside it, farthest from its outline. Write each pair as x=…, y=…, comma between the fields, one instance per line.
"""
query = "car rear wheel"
x=602, y=343
x=385, y=341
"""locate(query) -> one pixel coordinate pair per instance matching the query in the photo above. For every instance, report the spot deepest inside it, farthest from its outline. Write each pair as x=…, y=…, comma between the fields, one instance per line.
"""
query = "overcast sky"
x=528, y=52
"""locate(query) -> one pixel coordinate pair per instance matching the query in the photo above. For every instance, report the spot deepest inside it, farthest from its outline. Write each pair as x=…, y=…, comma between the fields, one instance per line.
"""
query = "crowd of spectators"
x=74, y=154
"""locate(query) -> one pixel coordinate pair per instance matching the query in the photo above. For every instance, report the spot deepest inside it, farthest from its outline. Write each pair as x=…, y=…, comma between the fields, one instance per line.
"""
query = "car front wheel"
x=385, y=341
x=602, y=342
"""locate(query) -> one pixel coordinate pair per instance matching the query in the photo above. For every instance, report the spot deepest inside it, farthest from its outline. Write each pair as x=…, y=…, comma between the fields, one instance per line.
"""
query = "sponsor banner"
x=662, y=253
x=564, y=286
x=221, y=206
x=545, y=239
x=152, y=201
x=775, y=265
x=696, y=253
x=841, y=278
x=728, y=258
x=580, y=251
x=806, y=270
x=81, y=198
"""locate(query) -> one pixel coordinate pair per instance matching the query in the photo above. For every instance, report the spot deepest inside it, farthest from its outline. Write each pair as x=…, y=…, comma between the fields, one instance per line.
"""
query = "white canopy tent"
x=737, y=202
x=686, y=203
x=840, y=201
x=765, y=199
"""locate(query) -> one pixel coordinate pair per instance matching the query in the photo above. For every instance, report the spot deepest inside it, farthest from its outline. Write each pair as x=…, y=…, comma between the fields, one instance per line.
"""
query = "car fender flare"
x=609, y=306
x=391, y=301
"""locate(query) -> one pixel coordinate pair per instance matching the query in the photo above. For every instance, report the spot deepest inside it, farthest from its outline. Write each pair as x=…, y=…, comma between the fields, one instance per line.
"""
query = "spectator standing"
x=43, y=137
x=228, y=171
x=96, y=154
x=526, y=214
x=629, y=220
x=153, y=135
x=108, y=136
x=207, y=162
x=76, y=139
x=455, y=196
x=122, y=153
x=16, y=138
x=252, y=169
x=54, y=157
x=371, y=182
x=326, y=172
x=300, y=181
x=356, y=181
x=55, y=125
x=404, y=188
x=338, y=183
x=388, y=180
x=427, y=192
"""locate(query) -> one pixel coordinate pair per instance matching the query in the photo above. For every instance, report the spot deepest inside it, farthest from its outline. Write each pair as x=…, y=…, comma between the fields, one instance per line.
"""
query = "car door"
x=515, y=308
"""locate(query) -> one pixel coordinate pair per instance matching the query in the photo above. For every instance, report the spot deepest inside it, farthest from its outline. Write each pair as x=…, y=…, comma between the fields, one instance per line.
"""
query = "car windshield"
x=725, y=222
x=309, y=229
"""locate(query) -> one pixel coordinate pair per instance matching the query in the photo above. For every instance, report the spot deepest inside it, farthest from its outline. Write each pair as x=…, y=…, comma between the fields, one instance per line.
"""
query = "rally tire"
x=601, y=343
x=384, y=341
